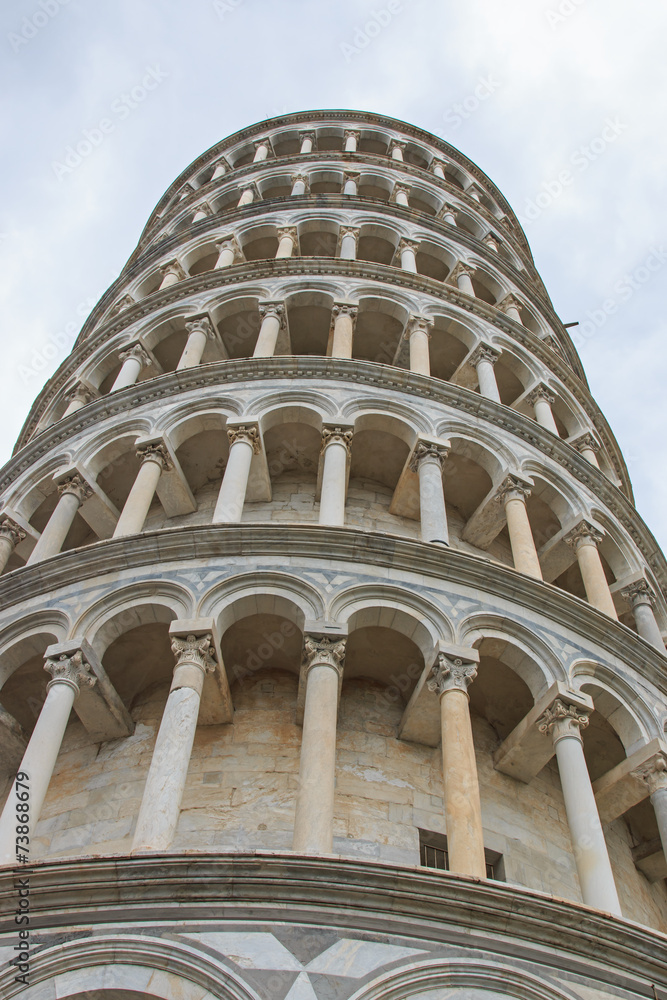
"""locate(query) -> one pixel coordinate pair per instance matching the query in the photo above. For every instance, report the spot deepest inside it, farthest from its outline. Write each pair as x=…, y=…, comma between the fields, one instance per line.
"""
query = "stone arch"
x=309, y=318
x=238, y=596
x=30, y=491
x=527, y=653
x=379, y=327
x=414, y=616
x=406, y=422
x=616, y=547
x=617, y=701
x=139, y=604
x=28, y=638
x=123, y=964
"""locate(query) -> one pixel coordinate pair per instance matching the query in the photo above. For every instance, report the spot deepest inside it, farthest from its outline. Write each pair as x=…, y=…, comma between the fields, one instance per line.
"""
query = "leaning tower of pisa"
x=331, y=657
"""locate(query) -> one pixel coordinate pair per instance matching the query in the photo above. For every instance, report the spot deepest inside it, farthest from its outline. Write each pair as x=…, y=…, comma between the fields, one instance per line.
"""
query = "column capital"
x=138, y=352
x=398, y=188
x=461, y=268
x=230, y=243
x=77, y=486
x=337, y=435
x=639, y=592
x=203, y=207
x=436, y=162
x=11, y=530
x=276, y=309
x=351, y=133
x=320, y=650
x=351, y=175
x=447, y=209
x=288, y=231
x=304, y=178
x=81, y=393
x=71, y=669
x=155, y=451
x=223, y=162
x=195, y=650
x=418, y=324
x=561, y=720
x=405, y=244
x=348, y=231
x=586, y=442
x=344, y=309
x=540, y=391
x=266, y=141
x=397, y=144
x=491, y=240
x=435, y=450
x=509, y=302
x=654, y=772
x=450, y=673
x=200, y=323
x=308, y=135
x=123, y=303
x=245, y=432
x=173, y=267
x=249, y=186
x=484, y=352
x=584, y=533
x=513, y=488
x=186, y=190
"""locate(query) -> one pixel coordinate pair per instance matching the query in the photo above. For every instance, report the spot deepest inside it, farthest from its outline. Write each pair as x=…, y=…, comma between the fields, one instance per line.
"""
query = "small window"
x=433, y=854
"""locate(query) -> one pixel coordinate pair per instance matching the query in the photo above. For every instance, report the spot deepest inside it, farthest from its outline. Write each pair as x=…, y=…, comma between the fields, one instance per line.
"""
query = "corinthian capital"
x=562, y=720
x=77, y=486
x=484, y=352
x=513, y=488
x=71, y=669
x=458, y=270
x=276, y=309
x=138, y=353
x=510, y=302
x=541, y=391
x=244, y=432
x=320, y=651
x=451, y=673
x=198, y=650
x=11, y=530
x=200, y=324
x=584, y=533
x=155, y=452
x=428, y=450
x=639, y=592
x=654, y=773
x=337, y=435
x=173, y=267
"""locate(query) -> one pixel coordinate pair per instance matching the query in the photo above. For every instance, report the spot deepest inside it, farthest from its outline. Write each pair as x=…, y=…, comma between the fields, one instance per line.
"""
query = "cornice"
x=226, y=373
x=343, y=545
x=436, y=907
x=328, y=266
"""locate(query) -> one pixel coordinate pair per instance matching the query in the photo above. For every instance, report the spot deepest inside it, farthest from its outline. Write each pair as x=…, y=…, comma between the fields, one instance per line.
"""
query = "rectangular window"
x=433, y=854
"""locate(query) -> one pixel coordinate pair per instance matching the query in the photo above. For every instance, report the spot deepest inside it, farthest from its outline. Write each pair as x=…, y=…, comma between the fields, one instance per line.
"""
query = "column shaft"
x=226, y=257
x=595, y=581
x=247, y=197
x=433, y=514
x=486, y=376
x=343, y=335
x=140, y=498
x=285, y=247
x=419, y=353
x=544, y=415
x=465, y=841
x=659, y=802
x=524, y=552
x=313, y=823
x=268, y=336
x=409, y=260
x=231, y=498
x=348, y=247
x=52, y=538
x=128, y=374
x=334, y=477
x=6, y=548
x=647, y=627
x=193, y=350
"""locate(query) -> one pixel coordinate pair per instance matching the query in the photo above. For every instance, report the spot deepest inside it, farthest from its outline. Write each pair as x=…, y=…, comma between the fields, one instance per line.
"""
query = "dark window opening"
x=433, y=854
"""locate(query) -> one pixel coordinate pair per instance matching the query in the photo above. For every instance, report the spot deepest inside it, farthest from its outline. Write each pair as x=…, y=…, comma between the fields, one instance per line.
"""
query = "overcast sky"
x=561, y=102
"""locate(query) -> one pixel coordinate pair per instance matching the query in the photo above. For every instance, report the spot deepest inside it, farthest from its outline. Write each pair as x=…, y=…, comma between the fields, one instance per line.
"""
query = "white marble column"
x=418, y=334
x=401, y=195
x=513, y=494
x=73, y=492
x=492, y=243
x=161, y=803
x=203, y=211
x=654, y=773
x=348, y=240
x=134, y=360
x=300, y=184
x=78, y=397
x=641, y=599
x=243, y=444
x=336, y=445
x=221, y=169
x=287, y=241
x=449, y=679
x=247, y=195
x=448, y=214
x=396, y=149
x=307, y=142
x=428, y=460
x=11, y=534
x=462, y=275
x=585, y=539
x=351, y=182
x=351, y=140
x=229, y=252
x=262, y=150
x=511, y=306
x=564, y=724
x=484, y=359
x=68, y=675
x=313, y=820
x=273, y=320
x=154, y=461
x=438, y=168
x=407, y=254
x=199, y=330
x=541, y=399
x=472, y=192
x=588, y=446
x=172, y=273
x=343, y=318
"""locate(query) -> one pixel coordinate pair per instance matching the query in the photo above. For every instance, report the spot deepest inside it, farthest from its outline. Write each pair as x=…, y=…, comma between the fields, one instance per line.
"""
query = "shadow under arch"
x=631, y=718
x=524, y=652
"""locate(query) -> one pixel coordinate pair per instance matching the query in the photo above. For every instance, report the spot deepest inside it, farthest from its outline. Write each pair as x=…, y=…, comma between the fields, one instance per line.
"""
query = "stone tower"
x=331, y=655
